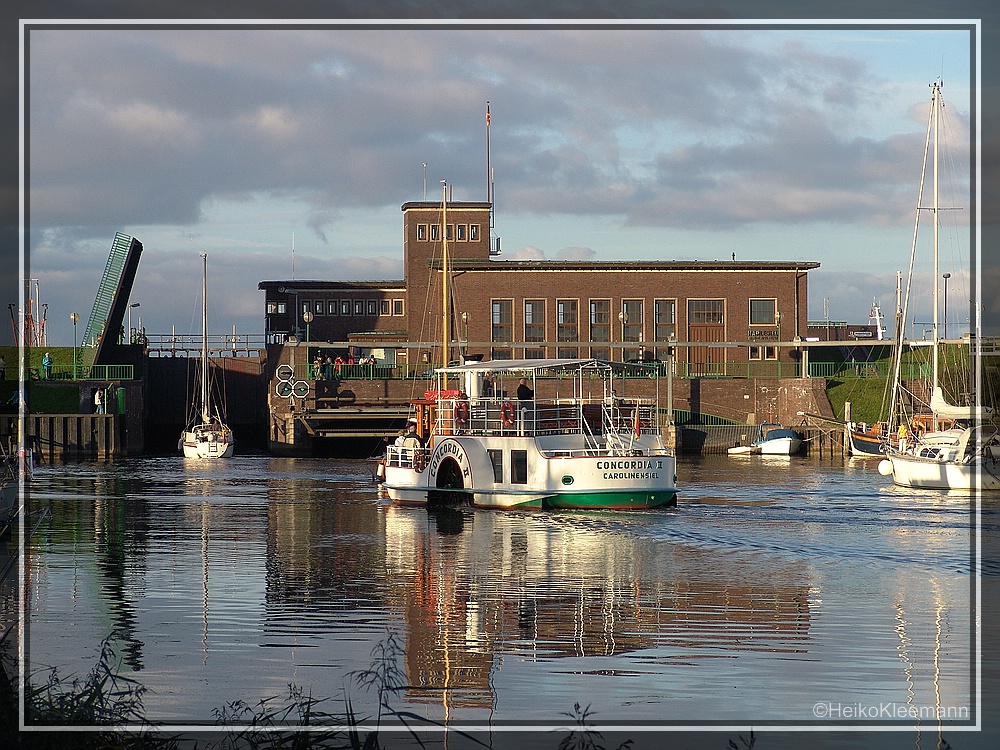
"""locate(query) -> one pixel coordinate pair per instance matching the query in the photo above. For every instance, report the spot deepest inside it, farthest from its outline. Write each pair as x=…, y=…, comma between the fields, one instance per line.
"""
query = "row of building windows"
x=632, y=318
x=456, y=232
x=368, y=307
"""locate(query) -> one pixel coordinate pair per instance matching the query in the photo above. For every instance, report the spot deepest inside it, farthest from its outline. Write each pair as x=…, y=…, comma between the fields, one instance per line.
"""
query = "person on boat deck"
x=489, y=388
x=410, y=438
x=524, y=393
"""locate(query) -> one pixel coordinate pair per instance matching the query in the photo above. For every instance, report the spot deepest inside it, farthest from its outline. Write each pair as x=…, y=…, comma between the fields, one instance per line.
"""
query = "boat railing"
x=406, y=456
x=511, y=417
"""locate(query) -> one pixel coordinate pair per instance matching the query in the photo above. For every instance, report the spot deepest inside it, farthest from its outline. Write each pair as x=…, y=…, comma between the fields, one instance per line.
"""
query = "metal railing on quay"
x=85, y=372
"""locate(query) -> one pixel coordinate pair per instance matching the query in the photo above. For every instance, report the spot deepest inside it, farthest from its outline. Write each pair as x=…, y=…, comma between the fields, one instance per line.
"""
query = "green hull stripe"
x=611, y=500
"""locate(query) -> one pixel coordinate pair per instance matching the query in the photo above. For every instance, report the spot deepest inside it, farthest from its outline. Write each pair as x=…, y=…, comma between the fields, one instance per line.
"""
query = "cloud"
x=577, y=253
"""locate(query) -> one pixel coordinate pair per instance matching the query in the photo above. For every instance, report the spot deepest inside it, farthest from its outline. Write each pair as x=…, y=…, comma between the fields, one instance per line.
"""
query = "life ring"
x=461, y=412
x=507, y=414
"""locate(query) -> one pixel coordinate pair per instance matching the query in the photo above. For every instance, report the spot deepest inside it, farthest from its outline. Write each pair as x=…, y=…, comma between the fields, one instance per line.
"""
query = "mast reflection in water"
x=771, y=589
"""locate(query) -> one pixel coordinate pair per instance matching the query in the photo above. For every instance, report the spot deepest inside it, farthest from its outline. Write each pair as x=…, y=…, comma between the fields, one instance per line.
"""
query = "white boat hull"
x=947, y=460
x=779, y=447
x=912, y=471
x=461, y=468
x=207, y=444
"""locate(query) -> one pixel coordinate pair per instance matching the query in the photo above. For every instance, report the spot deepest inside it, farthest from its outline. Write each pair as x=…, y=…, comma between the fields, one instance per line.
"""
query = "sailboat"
x=207, y=436
x=966, y=455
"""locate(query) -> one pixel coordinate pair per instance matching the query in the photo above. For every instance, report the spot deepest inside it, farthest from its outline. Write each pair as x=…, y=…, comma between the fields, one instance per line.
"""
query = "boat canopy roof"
x=535, y=366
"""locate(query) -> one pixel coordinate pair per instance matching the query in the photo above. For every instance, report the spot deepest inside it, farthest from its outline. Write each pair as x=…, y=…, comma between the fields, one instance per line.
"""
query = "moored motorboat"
x=773, y=439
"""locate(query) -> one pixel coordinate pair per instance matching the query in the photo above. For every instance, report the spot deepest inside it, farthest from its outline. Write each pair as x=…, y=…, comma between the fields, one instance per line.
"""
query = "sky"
x=773, y=142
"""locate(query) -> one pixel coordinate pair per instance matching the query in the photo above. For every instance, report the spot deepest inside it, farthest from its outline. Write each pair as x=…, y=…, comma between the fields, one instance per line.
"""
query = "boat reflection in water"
x=494, y=587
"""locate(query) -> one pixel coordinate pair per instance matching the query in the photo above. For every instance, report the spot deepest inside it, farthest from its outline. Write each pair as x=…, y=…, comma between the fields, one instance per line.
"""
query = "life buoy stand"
x=507, y=414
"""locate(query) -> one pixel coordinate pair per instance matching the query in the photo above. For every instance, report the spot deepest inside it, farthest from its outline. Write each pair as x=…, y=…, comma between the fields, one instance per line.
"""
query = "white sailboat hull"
x=212, y=443
x=912, y=471
x=947, y=460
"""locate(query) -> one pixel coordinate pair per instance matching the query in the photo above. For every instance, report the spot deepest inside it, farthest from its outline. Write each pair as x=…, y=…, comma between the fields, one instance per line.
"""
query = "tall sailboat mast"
x=936, y=109
x=205, y=416
x=445, y=327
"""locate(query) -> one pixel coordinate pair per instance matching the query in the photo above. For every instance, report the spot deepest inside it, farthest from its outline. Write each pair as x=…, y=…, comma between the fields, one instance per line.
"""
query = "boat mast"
x=936, y=98
x=445, y=328
x=205, y=416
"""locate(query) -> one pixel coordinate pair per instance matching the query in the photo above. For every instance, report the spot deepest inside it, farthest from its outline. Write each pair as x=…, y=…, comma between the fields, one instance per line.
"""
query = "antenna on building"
x=425, y=181
x=293, y=256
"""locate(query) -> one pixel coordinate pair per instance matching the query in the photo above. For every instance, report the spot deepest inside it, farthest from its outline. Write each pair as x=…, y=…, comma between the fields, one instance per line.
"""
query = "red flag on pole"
x=487, y=114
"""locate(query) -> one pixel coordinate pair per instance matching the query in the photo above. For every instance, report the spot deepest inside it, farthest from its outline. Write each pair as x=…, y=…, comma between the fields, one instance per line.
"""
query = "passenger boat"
x=773, y=439
x=207, y=435
x=580, y=443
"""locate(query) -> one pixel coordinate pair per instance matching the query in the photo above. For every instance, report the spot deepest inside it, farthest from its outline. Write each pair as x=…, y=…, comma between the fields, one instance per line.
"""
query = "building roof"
x=312, y=284
x=477, y=264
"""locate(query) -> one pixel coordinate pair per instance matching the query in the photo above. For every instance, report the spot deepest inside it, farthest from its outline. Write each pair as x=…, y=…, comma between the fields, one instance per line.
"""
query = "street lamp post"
x=307, y=316
x=623, y=317
x=134, y=304
x=946, y=277
x=73, y=316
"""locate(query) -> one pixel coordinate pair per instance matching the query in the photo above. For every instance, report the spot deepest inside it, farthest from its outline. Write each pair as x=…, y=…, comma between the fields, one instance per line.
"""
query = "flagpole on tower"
x=489, y=192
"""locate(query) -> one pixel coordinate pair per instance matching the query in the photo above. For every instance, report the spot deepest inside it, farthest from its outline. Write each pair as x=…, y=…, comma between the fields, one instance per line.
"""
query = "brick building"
x=717, y=312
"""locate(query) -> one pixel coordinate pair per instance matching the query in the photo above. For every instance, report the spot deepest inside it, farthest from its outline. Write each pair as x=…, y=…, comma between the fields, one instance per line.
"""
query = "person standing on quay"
x=47, y=367
x=99, y=401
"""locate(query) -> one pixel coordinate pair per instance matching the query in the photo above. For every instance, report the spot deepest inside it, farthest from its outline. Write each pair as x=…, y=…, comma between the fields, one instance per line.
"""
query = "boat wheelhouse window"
x=763, y=312
x=332, y=308
x=496, y=458
x=272, y=308
x=345, y=307
x=473, y=232
x=519, y=467
x=397, y=307
x=422, y=232
x=281, y=308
